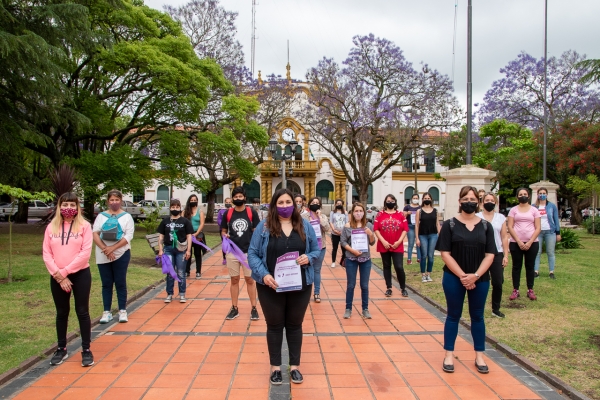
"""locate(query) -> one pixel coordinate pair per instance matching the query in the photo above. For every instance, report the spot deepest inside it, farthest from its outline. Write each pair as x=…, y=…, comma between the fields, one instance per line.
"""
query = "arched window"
x=292, y=187
x=355, y=196
x=435, y=195
x=325, y=192
x=298, y=153
x=408, y=193
x=288, y=150
x=430, y=161
x=162, y=193
x=252, y=191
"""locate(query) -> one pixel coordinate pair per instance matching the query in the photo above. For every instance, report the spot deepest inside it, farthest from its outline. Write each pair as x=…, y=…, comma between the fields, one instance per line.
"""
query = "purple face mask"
x=115, y=206
x=285, y=212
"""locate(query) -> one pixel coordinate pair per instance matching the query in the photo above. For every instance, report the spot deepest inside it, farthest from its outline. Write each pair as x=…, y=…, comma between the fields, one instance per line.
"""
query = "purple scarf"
x=167, y=266
x=230, y=248
x=199, y=243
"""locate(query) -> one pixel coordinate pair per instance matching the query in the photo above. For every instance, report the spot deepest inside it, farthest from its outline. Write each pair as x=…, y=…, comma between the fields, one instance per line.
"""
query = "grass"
x=560, y=331
x=29, y=313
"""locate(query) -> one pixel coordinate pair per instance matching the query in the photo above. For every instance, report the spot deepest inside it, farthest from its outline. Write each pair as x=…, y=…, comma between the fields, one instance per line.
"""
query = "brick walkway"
x=177, y=351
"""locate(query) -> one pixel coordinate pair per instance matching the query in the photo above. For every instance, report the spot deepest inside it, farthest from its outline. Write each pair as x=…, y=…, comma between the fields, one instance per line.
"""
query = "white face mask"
x=415, y=201
x=358, y=215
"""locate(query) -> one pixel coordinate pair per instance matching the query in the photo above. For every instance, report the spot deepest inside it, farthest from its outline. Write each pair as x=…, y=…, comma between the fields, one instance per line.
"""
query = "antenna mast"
x=253, y=46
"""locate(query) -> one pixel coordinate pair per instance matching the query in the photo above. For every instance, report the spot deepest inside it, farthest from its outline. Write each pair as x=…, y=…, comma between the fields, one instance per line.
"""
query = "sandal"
x=317, y=298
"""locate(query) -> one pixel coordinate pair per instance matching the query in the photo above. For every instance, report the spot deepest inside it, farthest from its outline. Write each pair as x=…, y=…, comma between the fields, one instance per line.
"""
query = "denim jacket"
x=553, y=217
x=257, y=252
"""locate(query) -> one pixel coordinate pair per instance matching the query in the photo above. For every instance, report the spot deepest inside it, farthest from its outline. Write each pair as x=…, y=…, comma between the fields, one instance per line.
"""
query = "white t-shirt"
x=497, y=222
x=545, y=223
x=128, y=227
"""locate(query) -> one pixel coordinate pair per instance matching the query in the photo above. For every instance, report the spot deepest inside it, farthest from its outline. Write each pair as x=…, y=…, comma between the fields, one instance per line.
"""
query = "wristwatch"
x=477, y=275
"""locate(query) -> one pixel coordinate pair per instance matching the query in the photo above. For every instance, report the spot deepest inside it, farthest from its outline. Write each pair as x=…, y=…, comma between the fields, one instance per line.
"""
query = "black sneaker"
x=537, y=274
x=388, y=293
x=197, y=275
x=498, y=314
x=404, y=293
x=233, y=313
x=87, y=358
x=276, y=378
x=254, y=314
x=59, y=356
x=552, y=275
x=296, y=376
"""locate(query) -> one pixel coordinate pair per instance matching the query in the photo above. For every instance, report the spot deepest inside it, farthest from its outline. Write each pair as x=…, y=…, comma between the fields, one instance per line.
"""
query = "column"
x=467, y=175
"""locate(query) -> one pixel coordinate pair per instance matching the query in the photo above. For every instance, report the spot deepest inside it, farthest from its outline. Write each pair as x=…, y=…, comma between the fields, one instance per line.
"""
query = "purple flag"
x=167, y=266
x=230, y=248
x=199, y=243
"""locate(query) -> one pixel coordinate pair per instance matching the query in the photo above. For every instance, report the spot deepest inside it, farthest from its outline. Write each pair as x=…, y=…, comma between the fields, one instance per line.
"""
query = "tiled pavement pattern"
x=188, y=351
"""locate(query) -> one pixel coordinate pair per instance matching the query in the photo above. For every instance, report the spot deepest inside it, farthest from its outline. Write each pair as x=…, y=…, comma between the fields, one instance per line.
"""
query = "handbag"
x=182, y=246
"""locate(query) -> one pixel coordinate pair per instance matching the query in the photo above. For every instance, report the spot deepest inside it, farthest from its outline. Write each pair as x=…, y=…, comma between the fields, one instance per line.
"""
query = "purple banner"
x=167, y=266
x=199, y=243
x=230, y=248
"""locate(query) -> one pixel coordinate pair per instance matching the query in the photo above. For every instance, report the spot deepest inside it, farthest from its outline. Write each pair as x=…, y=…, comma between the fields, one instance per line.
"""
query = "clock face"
x=288, y=134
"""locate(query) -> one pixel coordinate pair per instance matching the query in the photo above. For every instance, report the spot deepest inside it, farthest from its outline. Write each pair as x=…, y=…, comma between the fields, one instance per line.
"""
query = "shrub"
x=588, y=225
x=569, y=239
x=151, y=222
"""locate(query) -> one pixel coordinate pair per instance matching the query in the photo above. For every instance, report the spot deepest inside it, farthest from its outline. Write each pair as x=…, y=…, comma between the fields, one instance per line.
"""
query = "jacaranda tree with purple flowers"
x=367, y=112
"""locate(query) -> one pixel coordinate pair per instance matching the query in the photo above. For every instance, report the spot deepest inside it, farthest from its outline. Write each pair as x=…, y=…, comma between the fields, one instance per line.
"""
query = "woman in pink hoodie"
x=66, y=252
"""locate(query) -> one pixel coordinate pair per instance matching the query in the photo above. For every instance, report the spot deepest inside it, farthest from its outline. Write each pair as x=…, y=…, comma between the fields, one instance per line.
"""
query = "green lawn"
x=28, y=318
x=560, y=331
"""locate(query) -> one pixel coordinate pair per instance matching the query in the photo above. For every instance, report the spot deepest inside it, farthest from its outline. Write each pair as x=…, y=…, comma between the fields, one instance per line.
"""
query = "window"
x=435, y=195
x=288, y=150
x=408, y=194
x=355, y=196
x=137, y=197
x=325, y=192
x=277, y=155
x=162, y=193
x=40, y=204
x=292, y=187
x=252, y=191
x=407, y=161
x=218, y=196
x=298, y=153
x=430, y=161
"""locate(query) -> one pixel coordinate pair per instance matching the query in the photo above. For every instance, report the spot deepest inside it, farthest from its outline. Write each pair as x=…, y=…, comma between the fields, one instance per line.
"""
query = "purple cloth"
x=199, y=243
x=220, y=216
x=230, y=248
x=167, y=266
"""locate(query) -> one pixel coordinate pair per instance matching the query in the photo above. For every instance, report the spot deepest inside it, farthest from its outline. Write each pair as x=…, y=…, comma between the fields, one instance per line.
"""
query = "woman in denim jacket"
x=550, y=230
x=281, y=233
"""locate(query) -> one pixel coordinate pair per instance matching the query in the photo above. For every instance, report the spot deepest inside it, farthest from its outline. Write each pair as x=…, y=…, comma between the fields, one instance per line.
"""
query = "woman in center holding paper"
x=282, y=253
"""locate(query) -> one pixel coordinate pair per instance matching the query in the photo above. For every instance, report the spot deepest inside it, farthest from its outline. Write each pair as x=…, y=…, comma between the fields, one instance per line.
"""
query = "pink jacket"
x=68, y=258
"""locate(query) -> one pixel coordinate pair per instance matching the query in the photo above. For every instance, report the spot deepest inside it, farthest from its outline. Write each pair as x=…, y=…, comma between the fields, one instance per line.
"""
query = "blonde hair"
x=352, y=221
x=57, y=221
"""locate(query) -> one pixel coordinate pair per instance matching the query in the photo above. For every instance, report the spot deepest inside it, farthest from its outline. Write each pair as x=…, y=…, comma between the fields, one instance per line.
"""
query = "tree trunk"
x=577, y=205
x=23, y=213
x=210, y=205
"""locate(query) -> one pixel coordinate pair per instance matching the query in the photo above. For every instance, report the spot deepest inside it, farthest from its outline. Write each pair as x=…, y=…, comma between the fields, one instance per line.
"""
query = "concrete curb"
x=31, y=361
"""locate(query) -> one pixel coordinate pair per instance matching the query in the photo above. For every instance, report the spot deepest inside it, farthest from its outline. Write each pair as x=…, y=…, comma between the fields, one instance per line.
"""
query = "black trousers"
x=197, y=249
x=284, y=310
x=82, y=284
x=386, y=259
x=517, y=257
x=335, y=242
x=497, y=275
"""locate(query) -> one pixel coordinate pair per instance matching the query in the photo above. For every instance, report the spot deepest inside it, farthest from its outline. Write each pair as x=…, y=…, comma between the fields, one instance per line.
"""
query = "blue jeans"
x=179, y=265
x=455, y=299
x=411, y=242
x=427, y=249
x=352, y=267
x=317, y=266
x=115, y=273
x=550, y=237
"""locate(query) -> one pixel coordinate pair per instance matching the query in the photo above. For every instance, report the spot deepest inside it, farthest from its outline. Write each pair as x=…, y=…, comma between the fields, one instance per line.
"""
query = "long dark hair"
x=430, y=197
x=272, y=223
x=390, y=196
x=187, y=212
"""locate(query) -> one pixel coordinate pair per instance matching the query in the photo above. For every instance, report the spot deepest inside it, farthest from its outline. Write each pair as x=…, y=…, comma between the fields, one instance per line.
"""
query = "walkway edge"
x=33, y=360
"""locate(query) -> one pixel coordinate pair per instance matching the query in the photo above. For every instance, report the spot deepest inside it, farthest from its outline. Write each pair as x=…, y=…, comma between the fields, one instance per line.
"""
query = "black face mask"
x=427, y=202
x=390, y=205
x=469, y=207
x=193, y=203
x=238, y=202
x=175, y=212
x=523, y=199
x=339, y=207
x=489, y=206
x=314, y=207
x=227, y=205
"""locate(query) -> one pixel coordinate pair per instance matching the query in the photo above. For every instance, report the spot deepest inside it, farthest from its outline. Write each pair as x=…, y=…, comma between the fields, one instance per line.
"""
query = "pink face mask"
x=358, y=215
x=115, y=206
x=68, y=212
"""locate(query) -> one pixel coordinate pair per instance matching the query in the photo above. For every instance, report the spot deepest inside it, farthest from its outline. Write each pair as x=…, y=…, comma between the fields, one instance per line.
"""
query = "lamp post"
x=347, y=186
x=416, y=169
x=273, y=150
x=545, y=87
x=469, y=81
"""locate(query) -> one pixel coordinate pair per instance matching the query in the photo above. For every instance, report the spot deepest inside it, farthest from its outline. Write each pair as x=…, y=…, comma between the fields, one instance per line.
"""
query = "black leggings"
x=82, y=284
x=197, y=249
x=284, y=310
x=497, y=274
x=335, y=241
x=517, y=258
x=386, y=259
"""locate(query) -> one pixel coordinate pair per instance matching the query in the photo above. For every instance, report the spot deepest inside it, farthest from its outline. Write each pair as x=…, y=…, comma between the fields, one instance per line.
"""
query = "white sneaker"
x=332, y=265
x=429, y=278
x=424, y=279
x=182, y=298
x=169, y=298
x=106, y=317
x=123, y=316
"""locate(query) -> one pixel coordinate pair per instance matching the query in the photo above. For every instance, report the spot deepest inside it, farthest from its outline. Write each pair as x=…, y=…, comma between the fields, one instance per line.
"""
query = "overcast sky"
x=422, y=29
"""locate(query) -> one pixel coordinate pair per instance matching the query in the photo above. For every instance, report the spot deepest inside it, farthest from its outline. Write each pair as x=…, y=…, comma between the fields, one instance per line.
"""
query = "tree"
x=586, y=188
x=519, y=96
x=367, y=113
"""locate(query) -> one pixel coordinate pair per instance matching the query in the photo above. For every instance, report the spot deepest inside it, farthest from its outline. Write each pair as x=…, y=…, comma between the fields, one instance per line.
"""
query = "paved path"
x=177, y=351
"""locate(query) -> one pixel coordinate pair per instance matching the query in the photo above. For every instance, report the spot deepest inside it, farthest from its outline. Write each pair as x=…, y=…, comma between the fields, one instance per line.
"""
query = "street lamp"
x=273, y=150
x=347, y=187
x=416, y=169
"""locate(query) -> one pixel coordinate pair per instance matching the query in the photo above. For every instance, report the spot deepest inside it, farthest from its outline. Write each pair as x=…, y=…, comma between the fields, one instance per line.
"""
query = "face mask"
x=227, y=205
x=298, y=206
x=314, y=207
x=469, y=207
x=114, y=206
x=339, y=207
x=390, y=205
x=358, y=216
x=415, y=201
x=193, y=204
x=427, y=202
x=489, y=206
x=285, y=212
x=238, y=202
x=68, y=212
x=175, y=212
x=523, y=199
x=543, y=196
